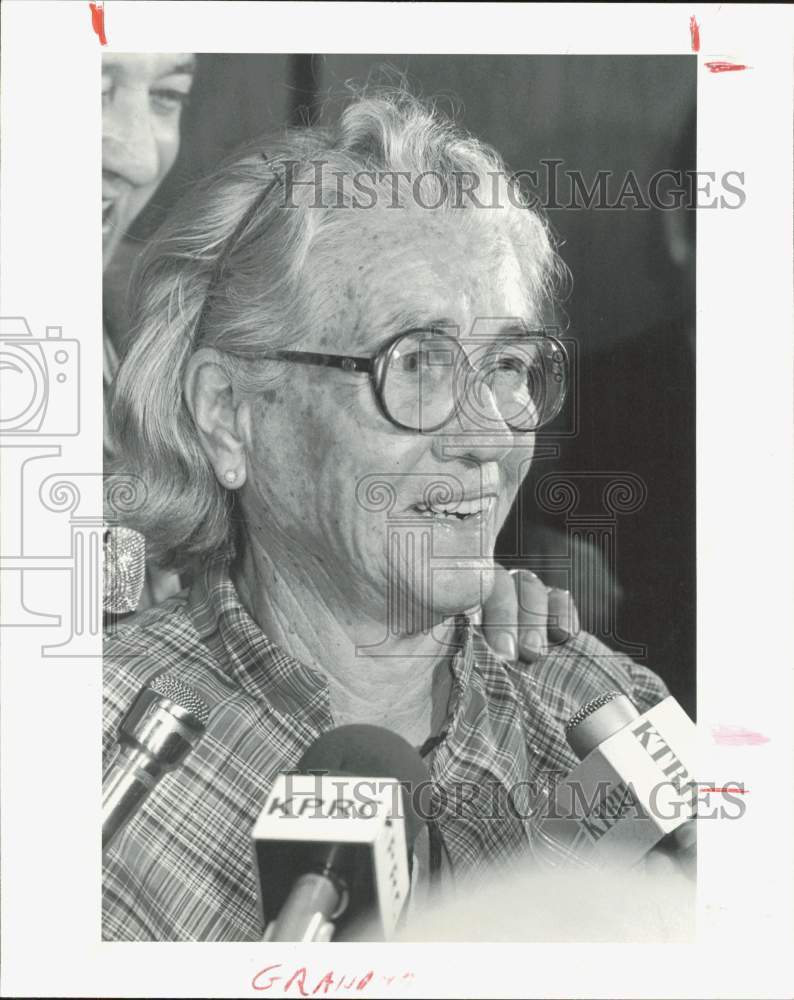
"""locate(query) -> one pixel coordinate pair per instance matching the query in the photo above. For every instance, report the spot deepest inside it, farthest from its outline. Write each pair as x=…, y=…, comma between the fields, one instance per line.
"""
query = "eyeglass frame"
x=376, y=365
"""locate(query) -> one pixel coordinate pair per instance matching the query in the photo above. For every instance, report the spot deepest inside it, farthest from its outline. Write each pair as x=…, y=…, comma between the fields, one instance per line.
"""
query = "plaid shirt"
x=182, y=870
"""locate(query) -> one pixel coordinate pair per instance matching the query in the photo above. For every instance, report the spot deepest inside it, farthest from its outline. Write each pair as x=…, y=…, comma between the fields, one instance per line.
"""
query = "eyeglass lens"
x=520, y=381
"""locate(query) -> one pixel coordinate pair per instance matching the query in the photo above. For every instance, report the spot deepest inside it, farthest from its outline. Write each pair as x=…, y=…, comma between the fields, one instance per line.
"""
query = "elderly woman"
x=332, y=402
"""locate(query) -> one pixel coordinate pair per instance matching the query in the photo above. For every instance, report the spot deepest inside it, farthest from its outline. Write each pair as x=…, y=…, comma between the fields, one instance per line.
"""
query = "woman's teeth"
x=461, y=510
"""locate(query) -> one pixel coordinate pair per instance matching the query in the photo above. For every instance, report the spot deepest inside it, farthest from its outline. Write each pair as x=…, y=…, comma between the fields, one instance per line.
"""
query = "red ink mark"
x=298, y=983
x=737, y=736
x=716, y=66
x=736, y=791
x=98, y=20
x=298, y=976
x=694, y=32
x=327, y=981
x=273, y=979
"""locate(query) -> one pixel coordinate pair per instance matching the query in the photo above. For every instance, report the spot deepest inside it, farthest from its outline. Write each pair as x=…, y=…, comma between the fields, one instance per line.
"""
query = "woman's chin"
x=421, y=599
x=463, y=588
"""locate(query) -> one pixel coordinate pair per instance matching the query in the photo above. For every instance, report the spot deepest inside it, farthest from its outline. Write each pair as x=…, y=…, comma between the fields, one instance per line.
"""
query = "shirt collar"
x=268, y=673
x=262, y=668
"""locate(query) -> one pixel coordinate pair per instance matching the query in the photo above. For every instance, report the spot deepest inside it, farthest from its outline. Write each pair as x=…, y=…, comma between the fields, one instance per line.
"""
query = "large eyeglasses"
x=423, y=378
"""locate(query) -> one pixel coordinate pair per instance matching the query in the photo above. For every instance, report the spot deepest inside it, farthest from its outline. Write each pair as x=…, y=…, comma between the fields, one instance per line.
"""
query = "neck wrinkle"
x=403, y=685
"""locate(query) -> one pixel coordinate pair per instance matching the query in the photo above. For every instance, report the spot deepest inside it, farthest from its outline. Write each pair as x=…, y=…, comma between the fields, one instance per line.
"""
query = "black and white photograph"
x=347, y=502
x=415, y=595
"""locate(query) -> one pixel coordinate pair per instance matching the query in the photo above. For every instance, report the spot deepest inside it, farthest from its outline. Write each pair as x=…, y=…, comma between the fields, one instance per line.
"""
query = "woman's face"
x=334, y=484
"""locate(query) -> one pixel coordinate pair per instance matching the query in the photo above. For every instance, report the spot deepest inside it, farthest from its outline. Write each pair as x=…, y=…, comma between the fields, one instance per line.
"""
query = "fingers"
x=522, y=616
x=500, y=616
x=533, y=614
x=563, y=616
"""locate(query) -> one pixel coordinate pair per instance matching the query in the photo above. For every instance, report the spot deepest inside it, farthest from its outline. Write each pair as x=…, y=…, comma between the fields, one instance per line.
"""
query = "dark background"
x=629, y=318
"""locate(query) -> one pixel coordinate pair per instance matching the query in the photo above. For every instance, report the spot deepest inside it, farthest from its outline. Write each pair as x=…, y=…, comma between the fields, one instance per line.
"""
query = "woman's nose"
x=477, y=430
x=129, y=144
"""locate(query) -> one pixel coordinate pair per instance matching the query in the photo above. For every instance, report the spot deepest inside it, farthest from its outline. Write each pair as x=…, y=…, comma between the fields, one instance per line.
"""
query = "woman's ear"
x=216, y=412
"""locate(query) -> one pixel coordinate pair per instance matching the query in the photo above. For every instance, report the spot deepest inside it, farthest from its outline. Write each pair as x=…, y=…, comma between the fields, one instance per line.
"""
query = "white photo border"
x=51, y=275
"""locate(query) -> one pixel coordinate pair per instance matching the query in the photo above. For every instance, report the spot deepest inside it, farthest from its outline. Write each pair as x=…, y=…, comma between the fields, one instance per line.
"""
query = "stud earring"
x=230, y=476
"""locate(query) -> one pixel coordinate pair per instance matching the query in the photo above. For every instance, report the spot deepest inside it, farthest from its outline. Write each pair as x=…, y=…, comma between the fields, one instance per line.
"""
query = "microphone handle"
x=307, y=914
x=129, y=779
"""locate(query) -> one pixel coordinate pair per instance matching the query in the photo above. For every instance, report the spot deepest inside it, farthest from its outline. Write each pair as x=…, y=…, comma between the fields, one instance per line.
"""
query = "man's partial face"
x=142, y=100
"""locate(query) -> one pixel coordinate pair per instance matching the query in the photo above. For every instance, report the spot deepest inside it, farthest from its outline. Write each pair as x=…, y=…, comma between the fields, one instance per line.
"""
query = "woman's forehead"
x=413, y=229
x=424, y=271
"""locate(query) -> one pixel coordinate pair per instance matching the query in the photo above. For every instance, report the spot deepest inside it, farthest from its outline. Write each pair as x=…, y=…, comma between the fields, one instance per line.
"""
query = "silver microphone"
x=165, y=722
x=597, y=721
x=611, y=713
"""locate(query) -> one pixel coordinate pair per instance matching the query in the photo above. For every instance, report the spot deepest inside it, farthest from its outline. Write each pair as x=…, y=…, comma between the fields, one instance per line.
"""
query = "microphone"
x=165, y=722
x=333, y=839
x=632, y=789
